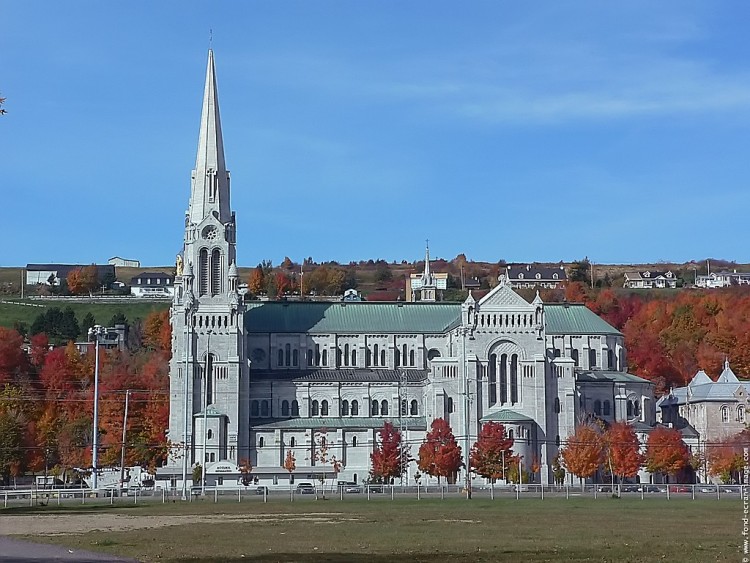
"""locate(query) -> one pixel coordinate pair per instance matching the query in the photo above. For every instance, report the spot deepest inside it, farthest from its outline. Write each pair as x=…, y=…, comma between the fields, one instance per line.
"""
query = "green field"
x=27, y=310
x=604, y=530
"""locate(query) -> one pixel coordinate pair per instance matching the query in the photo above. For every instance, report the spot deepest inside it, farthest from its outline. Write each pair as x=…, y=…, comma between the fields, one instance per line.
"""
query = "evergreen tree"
x=87, y=322
x=69, y=328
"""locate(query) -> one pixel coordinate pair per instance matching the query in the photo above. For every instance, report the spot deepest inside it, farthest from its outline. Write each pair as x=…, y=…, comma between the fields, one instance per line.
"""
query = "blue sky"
x=356, y=130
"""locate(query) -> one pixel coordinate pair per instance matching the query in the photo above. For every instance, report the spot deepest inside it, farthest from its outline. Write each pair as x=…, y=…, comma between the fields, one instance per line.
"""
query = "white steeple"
x=210, y=179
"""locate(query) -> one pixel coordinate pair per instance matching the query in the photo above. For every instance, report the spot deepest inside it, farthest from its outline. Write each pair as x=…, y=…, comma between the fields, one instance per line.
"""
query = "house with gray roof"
x=711, y=411
x=650, y=280
x=536, y=276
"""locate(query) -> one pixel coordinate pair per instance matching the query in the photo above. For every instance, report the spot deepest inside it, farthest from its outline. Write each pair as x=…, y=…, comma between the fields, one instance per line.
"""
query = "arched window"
x=510, y=434
x=354, y=356
x=203, y=272
x=284, y=408
x=355, y=408
x=309, y=357
x=397, y=357
x=503, y=379
x=376, y=357
x=574, y=355
x=338, y=357
x=450, y=405
x=725, y=413
x=324, y=408
x=264, y=408
x=292, y=442
x=344, y=408
x=295, y=357
x=281, y=357
x=514, y=379
x=295, y=408
x=354, y=441
x=404, y=354
x=597, y=407
x=404, y=407
x=314, y=409
x=254, y=410
x=630, y=409
x=592, y=358
x=605, y=408
x=261, y=442
x=610, y=359
x=383, y=408
x=382, y=358
x=557, y=405
x=741, y=414
x=287, y=355
x=346, y=354
x=412, y=361
x=375, y=408
x=433, y=353
x=216, y=276
x=414, y=408
x=325, y=357
x=210, y=433
x=368, y=357
x=492, y=383
x=317, y=354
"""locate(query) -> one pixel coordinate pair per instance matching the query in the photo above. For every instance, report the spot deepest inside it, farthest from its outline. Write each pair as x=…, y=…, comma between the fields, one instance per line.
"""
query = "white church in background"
x=259, y=380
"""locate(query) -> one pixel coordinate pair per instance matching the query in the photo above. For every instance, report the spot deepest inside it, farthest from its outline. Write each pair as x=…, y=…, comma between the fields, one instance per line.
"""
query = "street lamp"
x=96, y=331
x=206, y=375
x=464, y=331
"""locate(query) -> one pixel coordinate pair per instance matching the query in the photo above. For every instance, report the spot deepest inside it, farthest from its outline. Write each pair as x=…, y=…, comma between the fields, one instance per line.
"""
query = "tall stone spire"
x=210, y=178
x=427, y=276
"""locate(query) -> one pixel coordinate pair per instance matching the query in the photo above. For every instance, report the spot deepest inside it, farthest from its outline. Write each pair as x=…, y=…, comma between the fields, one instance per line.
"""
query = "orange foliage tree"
x=666, y=452
x=622, y=450
x=83, y=280
x=584, y=452
x=440, y=454
x=391, y=456
x=256, y=282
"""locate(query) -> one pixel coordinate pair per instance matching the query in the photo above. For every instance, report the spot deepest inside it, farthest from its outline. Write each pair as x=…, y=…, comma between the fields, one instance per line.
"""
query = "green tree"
x=580, y=271
x=69, y=328
x=118, y=318
x=11, y=450
x=87, y=322
x=383, y=271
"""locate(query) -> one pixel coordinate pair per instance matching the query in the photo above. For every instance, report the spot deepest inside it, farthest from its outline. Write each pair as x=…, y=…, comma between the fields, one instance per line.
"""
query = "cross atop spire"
x=210, y=189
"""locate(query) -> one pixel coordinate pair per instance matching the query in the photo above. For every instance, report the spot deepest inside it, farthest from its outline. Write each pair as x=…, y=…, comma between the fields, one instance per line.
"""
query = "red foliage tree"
x=391, y=457
x=12, y=357
x=492, y=452
x=666, y=452
x=440, y=454
x=622, y=450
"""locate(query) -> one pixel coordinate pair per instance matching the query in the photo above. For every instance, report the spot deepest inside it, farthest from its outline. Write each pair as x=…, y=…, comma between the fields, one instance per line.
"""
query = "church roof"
x=343, y=375
x=348, y=422
x=506, y=415
x=575, y=318
x=607, y=376
x=368, y=317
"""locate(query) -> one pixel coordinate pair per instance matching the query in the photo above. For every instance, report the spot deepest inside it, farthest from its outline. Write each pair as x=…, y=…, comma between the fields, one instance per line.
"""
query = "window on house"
x=741, y=414
x=725, y=413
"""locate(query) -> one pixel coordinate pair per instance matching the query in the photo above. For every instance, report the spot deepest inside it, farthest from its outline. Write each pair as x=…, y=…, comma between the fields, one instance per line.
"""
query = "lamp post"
x=96, y=331
x=206, y=375
x=186, y=418
x=464, y=330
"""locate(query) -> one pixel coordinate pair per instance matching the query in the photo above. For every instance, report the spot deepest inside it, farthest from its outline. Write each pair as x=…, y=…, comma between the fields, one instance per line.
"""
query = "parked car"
x=352, y=489
x=605, y=489
x=630, y=488
x=679, y=489
x=375, y=488
x=305, y=489
x=654, y=489
x=708, y=489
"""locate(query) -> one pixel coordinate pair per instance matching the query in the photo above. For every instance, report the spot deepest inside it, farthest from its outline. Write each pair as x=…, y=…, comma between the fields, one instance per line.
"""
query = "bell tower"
x=208, y=372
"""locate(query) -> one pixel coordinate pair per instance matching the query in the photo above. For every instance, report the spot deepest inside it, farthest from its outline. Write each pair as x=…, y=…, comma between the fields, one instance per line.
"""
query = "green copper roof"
x=605, y=376
x=506, y=415
x=574, y=318
x=291, y=316
x=332, y=424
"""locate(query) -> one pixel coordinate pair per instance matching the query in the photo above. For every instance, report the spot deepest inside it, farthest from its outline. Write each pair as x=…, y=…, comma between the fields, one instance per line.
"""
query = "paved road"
x=28, y=552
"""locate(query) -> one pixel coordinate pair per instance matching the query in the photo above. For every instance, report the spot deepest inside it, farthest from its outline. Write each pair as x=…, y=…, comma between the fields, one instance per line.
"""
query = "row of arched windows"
x=288, y=357
x=213, y=321
x=209, y=272
x=262, y=408
x=506, y=321
x=740, y=413
x=316, y=357
x=602, y=408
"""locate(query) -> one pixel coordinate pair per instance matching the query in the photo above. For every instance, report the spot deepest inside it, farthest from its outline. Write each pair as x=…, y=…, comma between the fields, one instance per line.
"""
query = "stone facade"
x=284, y=375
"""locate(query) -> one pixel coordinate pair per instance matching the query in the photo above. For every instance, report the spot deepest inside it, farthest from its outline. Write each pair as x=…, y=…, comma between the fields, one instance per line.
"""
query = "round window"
x=258, y=355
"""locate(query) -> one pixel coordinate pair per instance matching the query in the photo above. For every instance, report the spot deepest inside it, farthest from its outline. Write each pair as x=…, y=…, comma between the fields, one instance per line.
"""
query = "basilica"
x=252, y=382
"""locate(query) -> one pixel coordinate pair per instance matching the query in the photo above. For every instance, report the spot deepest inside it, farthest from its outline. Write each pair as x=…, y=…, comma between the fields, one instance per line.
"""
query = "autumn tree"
x=622, y=457
x=157, y=332
x=391, y=456
x=290, y=464
x=12, y=358
x=584, y=452
x=256, y=281
x=440, y=454
x=666, y=452
x=492, y=452
x=83, y=280
x=246, y=467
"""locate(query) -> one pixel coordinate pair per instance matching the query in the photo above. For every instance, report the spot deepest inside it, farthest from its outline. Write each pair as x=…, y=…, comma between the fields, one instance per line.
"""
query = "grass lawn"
x=458, y=531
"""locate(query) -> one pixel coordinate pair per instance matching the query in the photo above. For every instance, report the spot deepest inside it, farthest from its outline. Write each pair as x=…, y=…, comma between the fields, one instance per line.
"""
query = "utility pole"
x=124, y=436
x=96, y=331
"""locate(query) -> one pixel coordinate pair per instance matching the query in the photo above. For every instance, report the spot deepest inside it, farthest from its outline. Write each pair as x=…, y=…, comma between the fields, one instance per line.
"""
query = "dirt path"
x=61, y=524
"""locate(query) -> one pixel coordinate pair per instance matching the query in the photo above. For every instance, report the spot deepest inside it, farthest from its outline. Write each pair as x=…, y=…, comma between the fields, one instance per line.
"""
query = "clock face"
x=210, y=233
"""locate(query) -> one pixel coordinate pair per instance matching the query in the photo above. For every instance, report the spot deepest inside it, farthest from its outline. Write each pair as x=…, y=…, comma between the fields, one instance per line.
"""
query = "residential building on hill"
x=650, y=280
x=52, y=274
x=261, y=380
x=152, y=284
x=536, y=276
x=124, y=262
x=722, y=279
